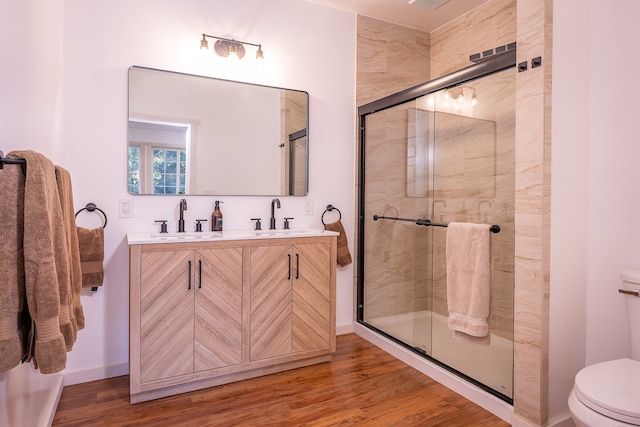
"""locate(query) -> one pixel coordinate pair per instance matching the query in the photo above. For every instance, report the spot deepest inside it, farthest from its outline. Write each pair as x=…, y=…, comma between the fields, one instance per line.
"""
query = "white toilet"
x=608, y=393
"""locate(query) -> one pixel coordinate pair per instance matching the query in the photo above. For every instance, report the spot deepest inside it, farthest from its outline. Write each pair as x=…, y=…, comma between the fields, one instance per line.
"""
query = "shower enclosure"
x=433, y=154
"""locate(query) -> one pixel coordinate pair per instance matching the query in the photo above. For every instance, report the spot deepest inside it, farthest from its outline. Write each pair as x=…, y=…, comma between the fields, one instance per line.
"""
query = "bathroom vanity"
x=212, y=308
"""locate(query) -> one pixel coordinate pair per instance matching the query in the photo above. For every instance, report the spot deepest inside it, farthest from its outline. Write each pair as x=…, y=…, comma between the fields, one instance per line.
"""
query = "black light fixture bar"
x=224, y=46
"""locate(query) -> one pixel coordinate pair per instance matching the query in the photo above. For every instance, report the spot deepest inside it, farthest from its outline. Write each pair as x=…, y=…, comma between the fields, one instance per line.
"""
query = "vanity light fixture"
x=459, y=94
x=229, y=47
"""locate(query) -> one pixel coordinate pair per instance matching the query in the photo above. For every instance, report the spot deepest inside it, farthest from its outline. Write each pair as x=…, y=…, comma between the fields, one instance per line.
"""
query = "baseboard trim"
x=95, y=374
x=562, y=420
x=344, y=329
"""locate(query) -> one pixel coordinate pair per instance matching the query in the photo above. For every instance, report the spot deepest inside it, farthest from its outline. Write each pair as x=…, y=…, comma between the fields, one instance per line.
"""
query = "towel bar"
x=634, y=292
x=427, y=223
x=6, y=161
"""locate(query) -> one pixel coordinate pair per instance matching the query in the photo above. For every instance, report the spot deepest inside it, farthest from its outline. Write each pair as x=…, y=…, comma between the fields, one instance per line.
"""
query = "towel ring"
x=329, y=209
x=92, y=207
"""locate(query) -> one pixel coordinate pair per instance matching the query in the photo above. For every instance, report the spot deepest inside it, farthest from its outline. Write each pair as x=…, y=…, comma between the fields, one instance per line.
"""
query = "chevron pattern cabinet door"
x=218, y=309
x=311, y=297
x=166, y=315
x=271, y=302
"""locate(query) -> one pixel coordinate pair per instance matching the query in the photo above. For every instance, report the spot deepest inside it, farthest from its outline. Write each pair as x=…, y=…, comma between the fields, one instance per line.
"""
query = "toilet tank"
x=631, y=284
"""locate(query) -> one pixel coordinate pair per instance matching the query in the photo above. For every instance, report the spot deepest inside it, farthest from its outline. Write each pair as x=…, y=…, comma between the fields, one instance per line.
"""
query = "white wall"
x=614, y=173
x=569, y=197
x=595, y=176
x=101, y=40
x=31, y=76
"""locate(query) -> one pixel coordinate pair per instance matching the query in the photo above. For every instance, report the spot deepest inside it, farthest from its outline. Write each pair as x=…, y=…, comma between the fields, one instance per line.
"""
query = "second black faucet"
x=183, y=207
x=272, y=221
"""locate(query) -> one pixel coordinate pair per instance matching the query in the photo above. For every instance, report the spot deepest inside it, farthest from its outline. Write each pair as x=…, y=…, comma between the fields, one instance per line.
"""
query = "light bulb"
x=233, y=52
x=204, y=44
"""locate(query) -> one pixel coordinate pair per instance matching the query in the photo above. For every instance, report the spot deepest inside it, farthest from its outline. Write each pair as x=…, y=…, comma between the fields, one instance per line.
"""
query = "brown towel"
x=91, y=256
x=46, y=262
x=71, y=313
x=14, y=327
x=468, y=257
x=344, y=256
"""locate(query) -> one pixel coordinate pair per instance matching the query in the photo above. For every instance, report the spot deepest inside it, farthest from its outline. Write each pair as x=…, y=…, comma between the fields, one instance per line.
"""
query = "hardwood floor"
x=362, y=386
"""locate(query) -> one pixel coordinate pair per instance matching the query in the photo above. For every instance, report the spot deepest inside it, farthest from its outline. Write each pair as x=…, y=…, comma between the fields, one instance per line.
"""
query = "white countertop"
x=141, y=238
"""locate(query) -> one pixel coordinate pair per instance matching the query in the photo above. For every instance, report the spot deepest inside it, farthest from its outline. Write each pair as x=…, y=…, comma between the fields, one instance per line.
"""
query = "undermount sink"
x=282, y=232
x=187, y=236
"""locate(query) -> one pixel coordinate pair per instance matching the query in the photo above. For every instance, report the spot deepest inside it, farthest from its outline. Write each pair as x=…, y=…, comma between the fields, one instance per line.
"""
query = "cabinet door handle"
x=297, y=266
x=289, y=276
x=189, y=274
x=199, y=274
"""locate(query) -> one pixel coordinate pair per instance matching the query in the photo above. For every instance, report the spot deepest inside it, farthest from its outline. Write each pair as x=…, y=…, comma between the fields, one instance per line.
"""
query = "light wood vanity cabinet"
x=209, y=313
x=290, y=300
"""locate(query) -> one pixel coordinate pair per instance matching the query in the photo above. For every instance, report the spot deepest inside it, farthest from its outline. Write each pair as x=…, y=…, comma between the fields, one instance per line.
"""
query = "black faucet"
x=183, y=207
x=272, y=221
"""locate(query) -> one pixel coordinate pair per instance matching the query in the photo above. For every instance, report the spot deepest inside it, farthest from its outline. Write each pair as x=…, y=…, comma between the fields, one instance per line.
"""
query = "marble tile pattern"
x=381, y=72
x=533, y=161
x=488, y=26
x=389, y=58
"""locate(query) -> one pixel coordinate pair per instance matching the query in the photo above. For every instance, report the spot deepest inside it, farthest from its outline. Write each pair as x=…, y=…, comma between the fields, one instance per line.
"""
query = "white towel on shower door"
x=468, y=256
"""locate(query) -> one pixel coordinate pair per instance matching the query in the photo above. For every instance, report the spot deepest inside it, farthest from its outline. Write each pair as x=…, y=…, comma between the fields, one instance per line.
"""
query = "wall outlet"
x=308, y=207
x=125, y=208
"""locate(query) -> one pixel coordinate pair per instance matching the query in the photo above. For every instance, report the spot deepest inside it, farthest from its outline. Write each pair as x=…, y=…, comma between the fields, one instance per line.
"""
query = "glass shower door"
x=398, y=292
x=447, y=156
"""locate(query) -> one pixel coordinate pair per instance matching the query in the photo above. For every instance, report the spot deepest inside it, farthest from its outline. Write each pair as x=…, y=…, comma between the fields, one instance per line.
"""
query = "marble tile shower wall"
x=389, y=58
x=490, y=25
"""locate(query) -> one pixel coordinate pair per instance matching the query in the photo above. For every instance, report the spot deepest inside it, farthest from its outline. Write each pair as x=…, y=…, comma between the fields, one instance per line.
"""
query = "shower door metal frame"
x=492, y=65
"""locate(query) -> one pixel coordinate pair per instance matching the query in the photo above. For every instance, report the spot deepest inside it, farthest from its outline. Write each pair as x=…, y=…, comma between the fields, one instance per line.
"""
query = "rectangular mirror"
x=198, y=135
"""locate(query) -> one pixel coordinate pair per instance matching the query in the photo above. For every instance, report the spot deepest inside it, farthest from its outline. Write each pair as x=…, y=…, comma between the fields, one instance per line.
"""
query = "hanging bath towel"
x=46, y=262
x=14, y=316
x=468, y=256
x=344, y=256
x=71, y=313
x=91, y=243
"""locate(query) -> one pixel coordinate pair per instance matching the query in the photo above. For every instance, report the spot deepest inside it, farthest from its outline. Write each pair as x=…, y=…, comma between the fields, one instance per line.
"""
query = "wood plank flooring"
x=362, y=386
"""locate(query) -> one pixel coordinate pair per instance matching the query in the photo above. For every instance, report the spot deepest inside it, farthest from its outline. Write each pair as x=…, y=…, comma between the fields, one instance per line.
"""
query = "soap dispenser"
x=216, y=217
